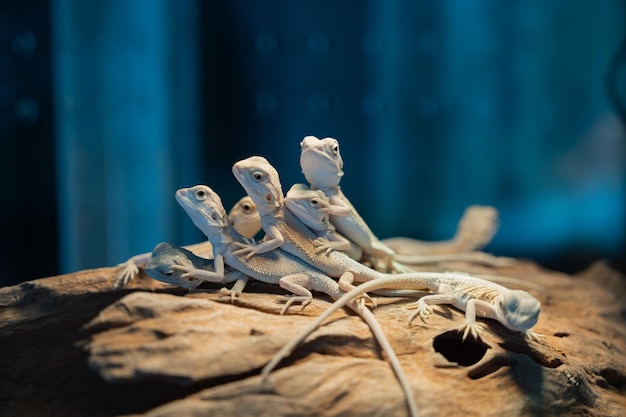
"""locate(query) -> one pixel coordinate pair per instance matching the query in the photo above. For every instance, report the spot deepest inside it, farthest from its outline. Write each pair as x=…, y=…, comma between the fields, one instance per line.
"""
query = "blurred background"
x=108, y=107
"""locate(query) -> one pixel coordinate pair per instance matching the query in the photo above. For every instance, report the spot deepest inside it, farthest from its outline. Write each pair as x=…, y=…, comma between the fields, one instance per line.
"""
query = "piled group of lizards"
x=316, y=241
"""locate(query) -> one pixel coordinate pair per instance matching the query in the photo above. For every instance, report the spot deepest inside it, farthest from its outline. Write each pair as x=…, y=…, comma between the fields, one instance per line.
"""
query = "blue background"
x=109, y=106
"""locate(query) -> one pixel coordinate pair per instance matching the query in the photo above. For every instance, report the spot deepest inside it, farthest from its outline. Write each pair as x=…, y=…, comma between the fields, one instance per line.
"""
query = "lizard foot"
x=233, y=294
x=471, y=328
x=322, y=244
x=530, y=335
x=247, y=249
x=129, y=271
x=423, y=310
x=345, y=284
x=290, y=299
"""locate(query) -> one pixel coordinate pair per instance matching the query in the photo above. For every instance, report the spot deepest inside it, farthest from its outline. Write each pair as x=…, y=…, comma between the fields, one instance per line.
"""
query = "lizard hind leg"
x=346, y=284
x=296, y=284
x=423, y=305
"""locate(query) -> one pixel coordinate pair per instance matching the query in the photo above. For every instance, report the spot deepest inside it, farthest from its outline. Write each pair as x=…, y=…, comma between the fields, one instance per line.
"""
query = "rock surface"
x=72, y=346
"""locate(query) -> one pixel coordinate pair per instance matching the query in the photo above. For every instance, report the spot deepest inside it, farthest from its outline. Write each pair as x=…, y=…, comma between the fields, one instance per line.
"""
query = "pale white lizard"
x=261, y=182
x=205, y=209
x=284, y=229
x=164, y=256
x=313, y=211
x=244, y=217
x=322, y=167
x=517, y=310
x=310, y=207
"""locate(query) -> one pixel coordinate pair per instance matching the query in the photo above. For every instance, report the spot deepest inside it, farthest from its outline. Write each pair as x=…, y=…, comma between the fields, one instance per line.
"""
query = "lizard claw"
x=423, y=310
x=130, y=270
x=244, y=249
x=530, y=335
x=322, y=244
x=290, y=299
x=233, y=294
x=471, y=328
x=183, y=264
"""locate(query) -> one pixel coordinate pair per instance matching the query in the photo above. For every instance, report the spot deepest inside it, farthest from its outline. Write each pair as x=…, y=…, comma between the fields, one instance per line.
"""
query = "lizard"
x=313, y=211
x=205, y=209
x=515, y=309
x=284, y=229
x=244, y=217
x=164, y=256
x=322, y=167
x=310, y=207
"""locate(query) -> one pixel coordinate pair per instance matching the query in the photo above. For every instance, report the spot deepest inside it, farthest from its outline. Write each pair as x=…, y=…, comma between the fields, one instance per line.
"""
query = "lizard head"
x=517, y=310
x=260, y=180
x=310, y=206
x=204, y=207
x=321, y=161
x=477, y=226
x=159, y=266
x=244, y=217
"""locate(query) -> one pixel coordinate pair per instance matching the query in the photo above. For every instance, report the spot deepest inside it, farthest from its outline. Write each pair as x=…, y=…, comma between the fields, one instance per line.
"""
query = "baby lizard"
x=164, y=256
x=243, y=216
x=322, y=167
x=515, y=309
x=310, y=206
x=283, y=229
x=205, y=209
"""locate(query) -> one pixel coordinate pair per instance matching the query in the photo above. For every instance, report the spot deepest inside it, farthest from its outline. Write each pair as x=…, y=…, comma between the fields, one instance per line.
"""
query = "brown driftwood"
x=72, y=346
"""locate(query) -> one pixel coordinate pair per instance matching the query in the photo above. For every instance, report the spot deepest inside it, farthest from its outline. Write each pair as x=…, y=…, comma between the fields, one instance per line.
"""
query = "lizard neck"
x=220, y=238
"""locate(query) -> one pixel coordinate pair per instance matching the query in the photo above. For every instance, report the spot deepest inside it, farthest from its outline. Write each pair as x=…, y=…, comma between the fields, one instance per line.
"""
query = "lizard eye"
x=314, y=202
x=246, y=208
x=335, y=149
x=200, y=195
x=257, y=175
x=214, y=216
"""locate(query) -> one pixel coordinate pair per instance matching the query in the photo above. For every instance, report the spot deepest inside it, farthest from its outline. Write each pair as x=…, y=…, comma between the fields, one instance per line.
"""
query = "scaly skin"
x=261, y=182
x=517, y=310
x=322, y=166
x=205, y=209
x=244, y=217
x=165, y=256
x=312, y=208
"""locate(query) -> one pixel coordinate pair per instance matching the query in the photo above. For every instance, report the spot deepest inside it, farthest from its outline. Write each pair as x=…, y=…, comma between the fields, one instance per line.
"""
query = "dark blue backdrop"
x=437, y=105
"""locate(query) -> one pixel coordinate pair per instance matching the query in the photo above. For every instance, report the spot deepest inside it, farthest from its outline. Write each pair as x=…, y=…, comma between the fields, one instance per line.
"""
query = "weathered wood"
x=72, y=346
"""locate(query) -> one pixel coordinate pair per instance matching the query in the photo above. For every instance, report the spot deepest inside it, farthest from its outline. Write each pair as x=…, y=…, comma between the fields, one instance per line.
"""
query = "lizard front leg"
x=470, y=326
x=325, y=244
x=273, y=239
x=445, y=296
x=237, y=288
x=190, y=271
